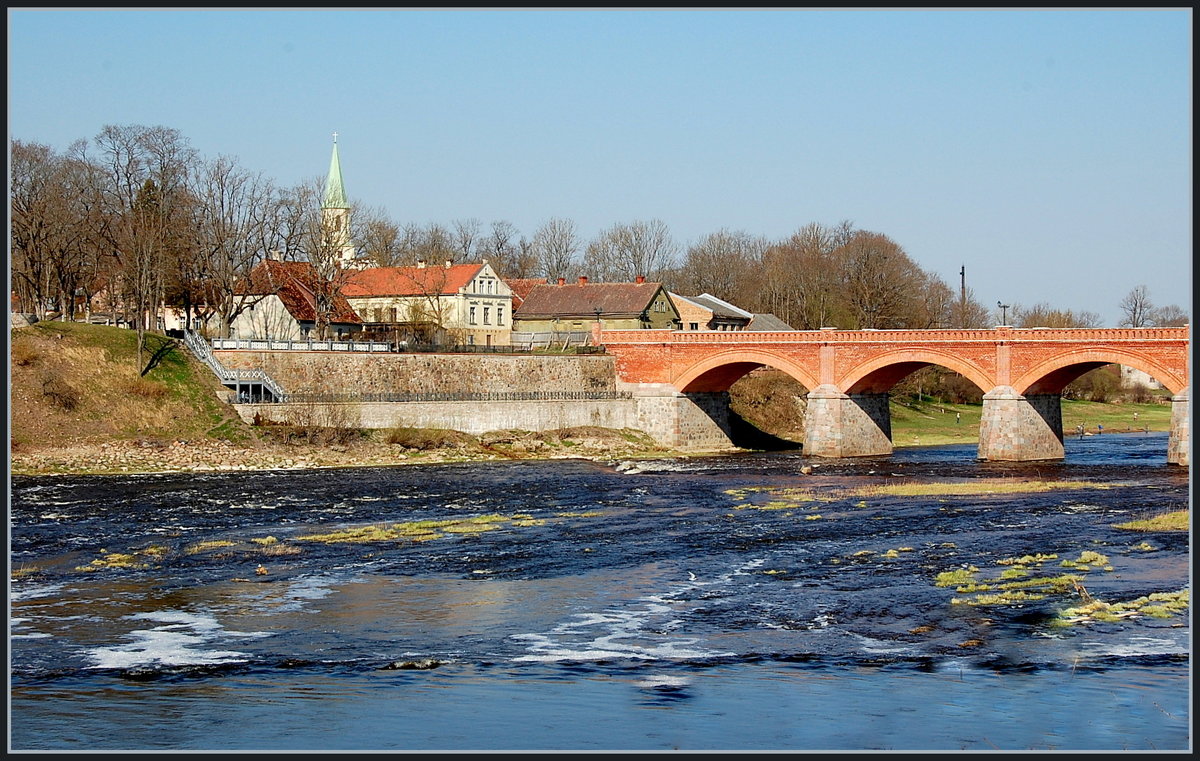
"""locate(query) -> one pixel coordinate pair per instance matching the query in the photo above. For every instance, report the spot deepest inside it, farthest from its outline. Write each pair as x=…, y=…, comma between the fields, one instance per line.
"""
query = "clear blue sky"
x=1048, y=152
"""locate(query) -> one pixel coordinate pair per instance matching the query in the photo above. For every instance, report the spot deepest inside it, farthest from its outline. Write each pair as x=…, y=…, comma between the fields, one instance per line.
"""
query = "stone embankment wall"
x=468, y=417
x=332, y=373
x=302, y=372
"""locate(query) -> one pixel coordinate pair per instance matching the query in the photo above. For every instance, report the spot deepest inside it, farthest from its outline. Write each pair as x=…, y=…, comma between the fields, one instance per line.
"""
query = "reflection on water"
x=741, y=602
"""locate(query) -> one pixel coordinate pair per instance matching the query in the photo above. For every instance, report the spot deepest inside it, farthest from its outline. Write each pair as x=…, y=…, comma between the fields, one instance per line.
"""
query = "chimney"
x=420, y=264
x=562, y=281
x=641, y=279
x=448, y=264
x=583, y=279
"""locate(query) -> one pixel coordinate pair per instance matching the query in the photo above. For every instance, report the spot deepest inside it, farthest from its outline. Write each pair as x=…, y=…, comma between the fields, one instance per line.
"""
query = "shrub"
x=23, y=354
x=60, y=393
x=147, y=389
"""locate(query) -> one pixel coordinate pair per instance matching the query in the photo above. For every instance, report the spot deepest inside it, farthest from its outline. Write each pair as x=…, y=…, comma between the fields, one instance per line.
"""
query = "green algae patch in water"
x=136, y=560
x=416, y=531
x=1178, y=520
x=1156, y=605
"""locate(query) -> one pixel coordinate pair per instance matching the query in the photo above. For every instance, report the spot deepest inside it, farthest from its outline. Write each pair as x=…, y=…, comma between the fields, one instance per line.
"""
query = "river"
x=760, y=601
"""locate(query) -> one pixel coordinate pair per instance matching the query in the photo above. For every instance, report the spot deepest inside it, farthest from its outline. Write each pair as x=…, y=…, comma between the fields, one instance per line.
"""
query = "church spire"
x=335, y=192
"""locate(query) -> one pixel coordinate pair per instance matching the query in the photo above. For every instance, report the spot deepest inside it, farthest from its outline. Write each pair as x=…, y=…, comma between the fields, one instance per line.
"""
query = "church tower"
x=335, y=211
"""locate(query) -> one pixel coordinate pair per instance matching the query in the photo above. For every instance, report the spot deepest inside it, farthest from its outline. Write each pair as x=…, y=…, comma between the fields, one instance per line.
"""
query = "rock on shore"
x=149, y=455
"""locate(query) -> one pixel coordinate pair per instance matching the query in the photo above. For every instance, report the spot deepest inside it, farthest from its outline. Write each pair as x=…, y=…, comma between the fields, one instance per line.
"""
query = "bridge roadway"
x=682, y=379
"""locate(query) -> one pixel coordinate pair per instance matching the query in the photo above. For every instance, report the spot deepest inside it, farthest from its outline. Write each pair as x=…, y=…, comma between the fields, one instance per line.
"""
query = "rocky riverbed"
x=152, y=455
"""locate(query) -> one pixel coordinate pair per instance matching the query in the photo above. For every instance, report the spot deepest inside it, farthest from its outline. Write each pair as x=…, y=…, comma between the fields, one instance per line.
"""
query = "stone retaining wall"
x=300, y=372
x=467, y=417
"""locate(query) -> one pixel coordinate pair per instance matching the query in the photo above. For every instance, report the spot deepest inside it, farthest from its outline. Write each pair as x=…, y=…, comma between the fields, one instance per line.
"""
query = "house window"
x=487, y=316
x=391, y=314
x=472, y=315
x=693, y=326
x=499, y=315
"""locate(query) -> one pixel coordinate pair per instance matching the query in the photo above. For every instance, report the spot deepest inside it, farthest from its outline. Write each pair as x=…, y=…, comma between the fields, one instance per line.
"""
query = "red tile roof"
x=295, y=285
x=410, y=281
x=583, y=299
x=521, y=288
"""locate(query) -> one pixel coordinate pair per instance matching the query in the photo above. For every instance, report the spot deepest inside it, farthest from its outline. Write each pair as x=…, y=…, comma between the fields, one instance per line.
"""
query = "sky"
x=1046, y=153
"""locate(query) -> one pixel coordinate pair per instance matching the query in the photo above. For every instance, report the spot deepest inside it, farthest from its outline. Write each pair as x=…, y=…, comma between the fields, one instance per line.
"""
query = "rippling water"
x=697, y=604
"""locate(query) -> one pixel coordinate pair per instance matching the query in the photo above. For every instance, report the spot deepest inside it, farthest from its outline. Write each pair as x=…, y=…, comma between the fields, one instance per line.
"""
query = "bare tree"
x=1137, y=308
x=881, y=282
x=465, y=234
x=143, y=174
x=32, y=194
x=721, y=263
x=434, y=243
x=556, y=245
x=1169, y=316
x=1042, y=315
x=383, y=242
x=507, y=252
x=238, y=219
x=625, y=251
x=802, y=281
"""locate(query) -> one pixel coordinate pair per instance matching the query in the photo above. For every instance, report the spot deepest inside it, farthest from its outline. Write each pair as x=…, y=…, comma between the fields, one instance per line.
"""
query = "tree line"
x=137, y=218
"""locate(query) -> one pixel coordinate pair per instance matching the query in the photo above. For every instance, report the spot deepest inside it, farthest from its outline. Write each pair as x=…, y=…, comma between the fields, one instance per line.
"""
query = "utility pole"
x=962, y=297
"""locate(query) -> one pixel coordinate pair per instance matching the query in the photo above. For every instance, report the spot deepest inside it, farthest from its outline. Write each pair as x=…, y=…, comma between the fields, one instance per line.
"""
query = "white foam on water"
x=1134, y=646
x=310, y=588
x=638, y=632
x=30, y=593
x=663, y=682
x=180, y=641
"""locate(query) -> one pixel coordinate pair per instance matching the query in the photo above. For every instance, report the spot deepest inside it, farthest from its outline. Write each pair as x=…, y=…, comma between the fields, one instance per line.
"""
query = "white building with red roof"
x=464, y=304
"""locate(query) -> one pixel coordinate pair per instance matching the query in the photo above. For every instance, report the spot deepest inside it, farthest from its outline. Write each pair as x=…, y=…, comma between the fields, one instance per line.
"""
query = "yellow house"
x=457, y=304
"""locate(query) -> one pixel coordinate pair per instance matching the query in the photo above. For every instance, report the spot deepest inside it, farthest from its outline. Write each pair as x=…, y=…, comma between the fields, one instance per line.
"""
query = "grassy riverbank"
x=930, y=423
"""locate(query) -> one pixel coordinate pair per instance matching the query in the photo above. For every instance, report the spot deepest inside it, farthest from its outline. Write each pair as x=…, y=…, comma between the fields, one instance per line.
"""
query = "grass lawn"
x=930, y=423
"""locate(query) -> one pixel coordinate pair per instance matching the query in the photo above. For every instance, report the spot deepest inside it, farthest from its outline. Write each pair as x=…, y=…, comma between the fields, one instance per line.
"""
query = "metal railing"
x=270, y=344
x=522, y=343
x=472, y=396
x=235, y=378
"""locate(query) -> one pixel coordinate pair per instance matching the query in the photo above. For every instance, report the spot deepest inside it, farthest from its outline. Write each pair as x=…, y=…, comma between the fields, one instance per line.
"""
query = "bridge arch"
x=880, y=373
x=719, y=371
x=1053, y=374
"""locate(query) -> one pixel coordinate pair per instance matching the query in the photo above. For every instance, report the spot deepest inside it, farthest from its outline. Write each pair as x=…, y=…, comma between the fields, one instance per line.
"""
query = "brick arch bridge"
x=681, y=380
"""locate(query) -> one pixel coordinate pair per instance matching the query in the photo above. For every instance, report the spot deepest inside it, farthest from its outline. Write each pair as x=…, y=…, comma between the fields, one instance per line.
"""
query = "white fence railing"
x=548, y=338
x=267, y=344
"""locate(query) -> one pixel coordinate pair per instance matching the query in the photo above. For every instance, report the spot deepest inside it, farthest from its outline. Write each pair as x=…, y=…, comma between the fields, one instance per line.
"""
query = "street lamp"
x=1003, y=313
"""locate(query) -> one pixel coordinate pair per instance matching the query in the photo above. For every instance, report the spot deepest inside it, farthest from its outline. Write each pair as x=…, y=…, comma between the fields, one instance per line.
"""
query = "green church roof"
x=335, y=192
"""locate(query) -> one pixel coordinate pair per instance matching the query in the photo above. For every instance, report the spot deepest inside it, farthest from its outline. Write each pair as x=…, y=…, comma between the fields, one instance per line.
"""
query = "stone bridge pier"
x=1017, y=427
x=1179, y=442
x=695, y=421
x=837, y=424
